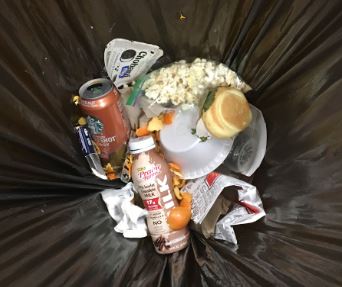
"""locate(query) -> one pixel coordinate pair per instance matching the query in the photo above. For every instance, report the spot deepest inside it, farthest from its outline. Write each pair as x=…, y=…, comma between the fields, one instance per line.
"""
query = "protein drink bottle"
x=152, y=179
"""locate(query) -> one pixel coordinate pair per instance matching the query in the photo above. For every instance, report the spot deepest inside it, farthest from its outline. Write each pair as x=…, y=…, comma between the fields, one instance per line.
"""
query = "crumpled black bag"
x=55, y=230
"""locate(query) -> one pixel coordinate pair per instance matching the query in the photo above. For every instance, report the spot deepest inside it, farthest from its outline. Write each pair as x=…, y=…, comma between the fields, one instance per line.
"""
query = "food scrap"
x=126, y=174
x=141, y=132
x=183, y=83
x=110, y=172
x=180, y=216
x=174, y=167
x=155, y=124
x=82, y=121
x=76, y=100
x=168, y=117
x=182, y=17
x=177, y=192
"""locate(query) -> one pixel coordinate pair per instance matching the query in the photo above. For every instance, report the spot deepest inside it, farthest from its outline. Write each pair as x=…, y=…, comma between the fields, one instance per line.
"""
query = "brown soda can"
x=106, y=120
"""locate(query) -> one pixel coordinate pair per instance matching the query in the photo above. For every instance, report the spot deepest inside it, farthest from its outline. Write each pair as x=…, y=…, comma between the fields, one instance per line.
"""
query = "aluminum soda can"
x=106, y=120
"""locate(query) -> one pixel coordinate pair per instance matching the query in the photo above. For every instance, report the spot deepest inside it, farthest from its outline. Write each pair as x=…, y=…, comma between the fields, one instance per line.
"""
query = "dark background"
x=54, y=227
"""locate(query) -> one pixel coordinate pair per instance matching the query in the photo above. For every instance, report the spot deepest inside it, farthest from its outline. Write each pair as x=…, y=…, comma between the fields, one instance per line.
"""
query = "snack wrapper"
x=126, y=60
x=89, y=151
x=206, y=190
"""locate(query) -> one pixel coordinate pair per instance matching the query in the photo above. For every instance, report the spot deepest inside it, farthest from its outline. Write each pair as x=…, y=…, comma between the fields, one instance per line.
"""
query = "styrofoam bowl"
x=196, y=158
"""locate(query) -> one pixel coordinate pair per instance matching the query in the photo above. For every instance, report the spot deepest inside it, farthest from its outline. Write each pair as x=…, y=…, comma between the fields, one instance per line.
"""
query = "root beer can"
x=106, y=120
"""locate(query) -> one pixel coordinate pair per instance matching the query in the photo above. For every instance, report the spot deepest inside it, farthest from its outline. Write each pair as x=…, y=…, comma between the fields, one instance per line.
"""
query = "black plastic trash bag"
x=55, y=229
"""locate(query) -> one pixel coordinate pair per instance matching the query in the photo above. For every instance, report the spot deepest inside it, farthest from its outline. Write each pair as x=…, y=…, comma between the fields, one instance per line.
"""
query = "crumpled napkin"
x=130, y=218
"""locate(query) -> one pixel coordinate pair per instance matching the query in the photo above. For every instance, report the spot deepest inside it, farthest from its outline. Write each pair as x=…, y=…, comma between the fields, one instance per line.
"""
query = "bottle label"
x=146, y=181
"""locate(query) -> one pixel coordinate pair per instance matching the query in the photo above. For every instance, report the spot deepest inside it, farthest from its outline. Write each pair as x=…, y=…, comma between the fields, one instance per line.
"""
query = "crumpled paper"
x=130, y=218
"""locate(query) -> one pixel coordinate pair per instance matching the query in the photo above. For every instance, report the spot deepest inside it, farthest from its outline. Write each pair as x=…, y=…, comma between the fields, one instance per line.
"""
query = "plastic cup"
x=196, y=157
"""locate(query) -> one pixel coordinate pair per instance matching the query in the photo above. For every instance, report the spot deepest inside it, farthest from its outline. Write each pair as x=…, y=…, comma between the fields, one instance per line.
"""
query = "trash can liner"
x=290, y=52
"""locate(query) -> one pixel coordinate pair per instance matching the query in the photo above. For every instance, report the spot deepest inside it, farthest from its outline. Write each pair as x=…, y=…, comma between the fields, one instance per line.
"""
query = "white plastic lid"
x=137, y=145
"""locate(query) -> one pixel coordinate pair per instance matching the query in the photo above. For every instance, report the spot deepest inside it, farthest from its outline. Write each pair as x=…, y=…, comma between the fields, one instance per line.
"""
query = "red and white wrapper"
x=205, y=191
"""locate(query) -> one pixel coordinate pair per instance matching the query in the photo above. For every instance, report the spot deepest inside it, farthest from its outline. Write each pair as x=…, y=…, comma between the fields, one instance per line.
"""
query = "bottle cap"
x=141, y=144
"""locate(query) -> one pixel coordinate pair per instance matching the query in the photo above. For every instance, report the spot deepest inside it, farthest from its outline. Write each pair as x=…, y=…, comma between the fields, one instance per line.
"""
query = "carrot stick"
x=140, y=132
x=168, y=117
x=174, y=166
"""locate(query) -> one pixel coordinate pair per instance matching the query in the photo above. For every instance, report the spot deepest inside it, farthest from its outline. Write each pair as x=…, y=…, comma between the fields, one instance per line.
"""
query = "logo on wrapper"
x=124, y=72
x=211, y=178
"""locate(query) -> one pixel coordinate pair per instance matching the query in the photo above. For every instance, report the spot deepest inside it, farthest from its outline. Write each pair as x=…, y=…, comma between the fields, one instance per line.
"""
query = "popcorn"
x=187, y=83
